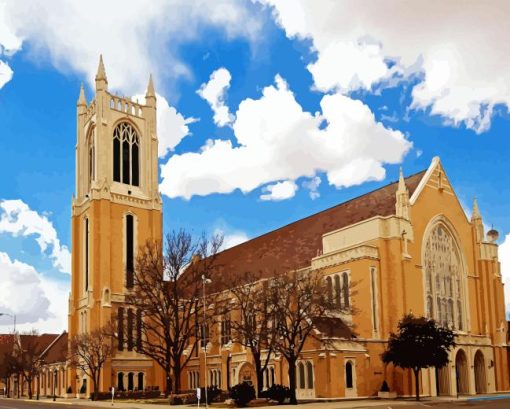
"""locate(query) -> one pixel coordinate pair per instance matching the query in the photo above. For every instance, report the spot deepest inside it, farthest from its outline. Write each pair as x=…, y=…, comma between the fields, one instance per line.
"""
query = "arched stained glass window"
x=126, y=153
x=443, y=266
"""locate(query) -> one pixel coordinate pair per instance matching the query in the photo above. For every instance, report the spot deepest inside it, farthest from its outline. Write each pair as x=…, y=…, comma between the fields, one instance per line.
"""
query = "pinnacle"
x=101, y=73
x=150, y=88
x=81, y=99
x=476, y=212
x=401, y=181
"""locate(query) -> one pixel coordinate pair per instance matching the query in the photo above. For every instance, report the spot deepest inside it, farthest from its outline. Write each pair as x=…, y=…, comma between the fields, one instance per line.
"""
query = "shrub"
x=277, y=392
x=242, y=394
x=69, y=390
x=385, y=387
x=83, y=389
x=213, y=392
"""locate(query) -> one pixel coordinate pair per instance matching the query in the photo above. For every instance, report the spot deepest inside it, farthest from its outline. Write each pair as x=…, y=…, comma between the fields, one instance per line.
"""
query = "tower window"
x=91, y=158
x=125, y=155
x=86, y=254
x=130, y=319
x=129, y=251
x=120, y=328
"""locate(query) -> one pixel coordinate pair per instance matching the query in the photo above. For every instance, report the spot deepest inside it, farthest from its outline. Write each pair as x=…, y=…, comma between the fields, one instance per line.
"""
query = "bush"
x=385, y=387
x=69, y=390
x=83, y=388
x=242, y=394
x=276, y=392
x=213, y=392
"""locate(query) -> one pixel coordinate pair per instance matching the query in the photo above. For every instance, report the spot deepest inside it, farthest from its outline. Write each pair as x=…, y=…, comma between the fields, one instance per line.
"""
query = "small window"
x=345, y=279
x=348, y=375
x=309, y=374
x=301, y=370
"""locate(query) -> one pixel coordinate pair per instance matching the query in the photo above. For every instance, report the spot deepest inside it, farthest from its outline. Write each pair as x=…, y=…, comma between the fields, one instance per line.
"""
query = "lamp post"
x=9, y=315
x=204, y=282
x=54, y=384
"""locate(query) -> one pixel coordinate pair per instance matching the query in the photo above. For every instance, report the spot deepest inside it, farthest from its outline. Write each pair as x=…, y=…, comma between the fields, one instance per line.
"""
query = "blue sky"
x=270, y=112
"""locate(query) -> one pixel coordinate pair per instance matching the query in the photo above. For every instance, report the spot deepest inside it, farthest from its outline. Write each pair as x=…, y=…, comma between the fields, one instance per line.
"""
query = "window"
x=309, y=374
x=125, y=154
x=329, y=289
x=204, y=335
x=338, y=295
x=301, y=371
x=139, y=330
x=345, y=288
x=86, y=254
x=443, y=266
x=91, y=163
x=373, y=287
x=225, y=330
x=130, y=319
x=120, y=328
x=140, y=381
x=348, y=375
x=129, y=251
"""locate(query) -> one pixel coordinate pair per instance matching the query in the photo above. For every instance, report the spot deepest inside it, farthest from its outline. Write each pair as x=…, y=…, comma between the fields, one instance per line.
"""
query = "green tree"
x=419, y=343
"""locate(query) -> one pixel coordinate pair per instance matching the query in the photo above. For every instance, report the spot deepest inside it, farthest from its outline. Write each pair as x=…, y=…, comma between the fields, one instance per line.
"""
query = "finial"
x=476, y=212
x=101, y=73
x=82, y=101
x=150, y=88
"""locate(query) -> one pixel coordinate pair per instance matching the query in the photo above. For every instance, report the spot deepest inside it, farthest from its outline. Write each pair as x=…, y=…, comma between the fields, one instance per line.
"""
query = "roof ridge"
x=322, y=211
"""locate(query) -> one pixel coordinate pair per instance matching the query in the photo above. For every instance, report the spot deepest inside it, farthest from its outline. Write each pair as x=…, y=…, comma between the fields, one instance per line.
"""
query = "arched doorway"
x=480, y=377
x=350, y=378
x=247, y=374
x=131, y=381
x=443, y=381
x=461, y=372
x=120, y=381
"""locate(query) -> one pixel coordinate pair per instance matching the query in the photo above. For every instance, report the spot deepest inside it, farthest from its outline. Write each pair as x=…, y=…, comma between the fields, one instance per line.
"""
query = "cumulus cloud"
x=172, y=125
x=135, y=38
x=18, y=219
x=313, y=186
x=464, y=71
x=232, y=238
x=214, y=92
x=504, y=258
x=278, y=140
x=22, y=291
x=5, y=73
x=279, y=191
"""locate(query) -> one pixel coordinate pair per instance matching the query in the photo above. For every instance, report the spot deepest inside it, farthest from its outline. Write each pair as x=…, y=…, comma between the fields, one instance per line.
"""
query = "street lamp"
x=204, y=282
x=9, y=315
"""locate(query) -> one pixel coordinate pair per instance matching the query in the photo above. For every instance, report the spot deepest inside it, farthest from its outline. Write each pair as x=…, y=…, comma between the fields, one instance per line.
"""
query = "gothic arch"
x=126, y=152
x=444, y=275
x=480, y=373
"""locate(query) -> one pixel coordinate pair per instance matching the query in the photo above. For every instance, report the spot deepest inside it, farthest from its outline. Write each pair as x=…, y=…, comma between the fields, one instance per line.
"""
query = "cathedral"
x=408, y=245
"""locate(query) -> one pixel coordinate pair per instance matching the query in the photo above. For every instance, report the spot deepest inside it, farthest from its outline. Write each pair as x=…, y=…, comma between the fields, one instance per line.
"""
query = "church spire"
x=82, y=101
x=150, y=95
x=476, y=212
x=402, y=205
x=476, y=220
x=101, y=80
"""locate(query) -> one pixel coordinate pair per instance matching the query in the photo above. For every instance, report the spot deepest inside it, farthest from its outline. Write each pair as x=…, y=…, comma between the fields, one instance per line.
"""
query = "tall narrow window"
x=338, y=292
x=309, y=375
x=138, y=330
x=120, y=328
x=329, y=289
x=345, y=288
x=225, y=330
x=130, y=319
x=301, y=370
x=373, y=286
x=348, y=375
x=126, y=163
x=86, y=254
x=129, y=251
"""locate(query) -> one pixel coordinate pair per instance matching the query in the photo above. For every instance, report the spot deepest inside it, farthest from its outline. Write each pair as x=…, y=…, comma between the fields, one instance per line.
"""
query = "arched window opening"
x=301, y=370
x=131, y=381
x=140, y=381
x=271, y=370
x=348, y=375
x=329, y=289
x=120, y=381
x=86, y=254
x=345, y=288
x=130, y=318
x=443, y=266
x=139, y=330
x=120, y=328
x=129, y=251
x=338, y=291
x=126, y=155
x=309, y=375
x=106, y=296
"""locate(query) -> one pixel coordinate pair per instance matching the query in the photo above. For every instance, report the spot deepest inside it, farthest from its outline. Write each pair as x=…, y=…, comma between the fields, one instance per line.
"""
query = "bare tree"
x=301, y=302
x=89, y=351
x=254, y=326
x=167, y=292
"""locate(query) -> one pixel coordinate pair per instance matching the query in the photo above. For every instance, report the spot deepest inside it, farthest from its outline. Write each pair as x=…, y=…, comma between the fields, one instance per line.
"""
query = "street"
x=472, y=404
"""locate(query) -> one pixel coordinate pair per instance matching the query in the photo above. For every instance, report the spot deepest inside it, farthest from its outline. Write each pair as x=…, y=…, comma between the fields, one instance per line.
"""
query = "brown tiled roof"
x=40, y=342
x=57, y=351
x=293, y=246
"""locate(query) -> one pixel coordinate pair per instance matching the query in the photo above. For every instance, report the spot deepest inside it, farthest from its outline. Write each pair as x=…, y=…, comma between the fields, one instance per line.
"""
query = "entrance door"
x=461, y=371
x=443, y=381
x=480, y=376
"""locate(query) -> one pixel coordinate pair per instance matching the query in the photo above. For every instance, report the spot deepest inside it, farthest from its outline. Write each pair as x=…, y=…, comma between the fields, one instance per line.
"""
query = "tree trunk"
x=168, y=387
x=29, y=383
x=258, y=371
x=417, y=382
x=177, y=376
x=292, y=381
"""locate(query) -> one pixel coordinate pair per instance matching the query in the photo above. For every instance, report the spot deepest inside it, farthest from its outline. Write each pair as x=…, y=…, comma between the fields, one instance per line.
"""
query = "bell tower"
x=116, y=209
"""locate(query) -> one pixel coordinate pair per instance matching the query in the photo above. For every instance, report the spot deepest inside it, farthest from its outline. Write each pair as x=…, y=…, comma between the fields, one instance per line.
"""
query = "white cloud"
x=313, y=186
x=135, y=38
x=233, y=239
x=18, y=219
x=460, y=51
x=5, y=73
x=214, y=92
x=279, y=141
x=172, y=126
x=504, y=259
x=279, y=191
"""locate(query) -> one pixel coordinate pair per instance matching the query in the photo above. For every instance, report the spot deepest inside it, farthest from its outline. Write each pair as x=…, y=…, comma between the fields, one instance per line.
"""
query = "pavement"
x=501, y=401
